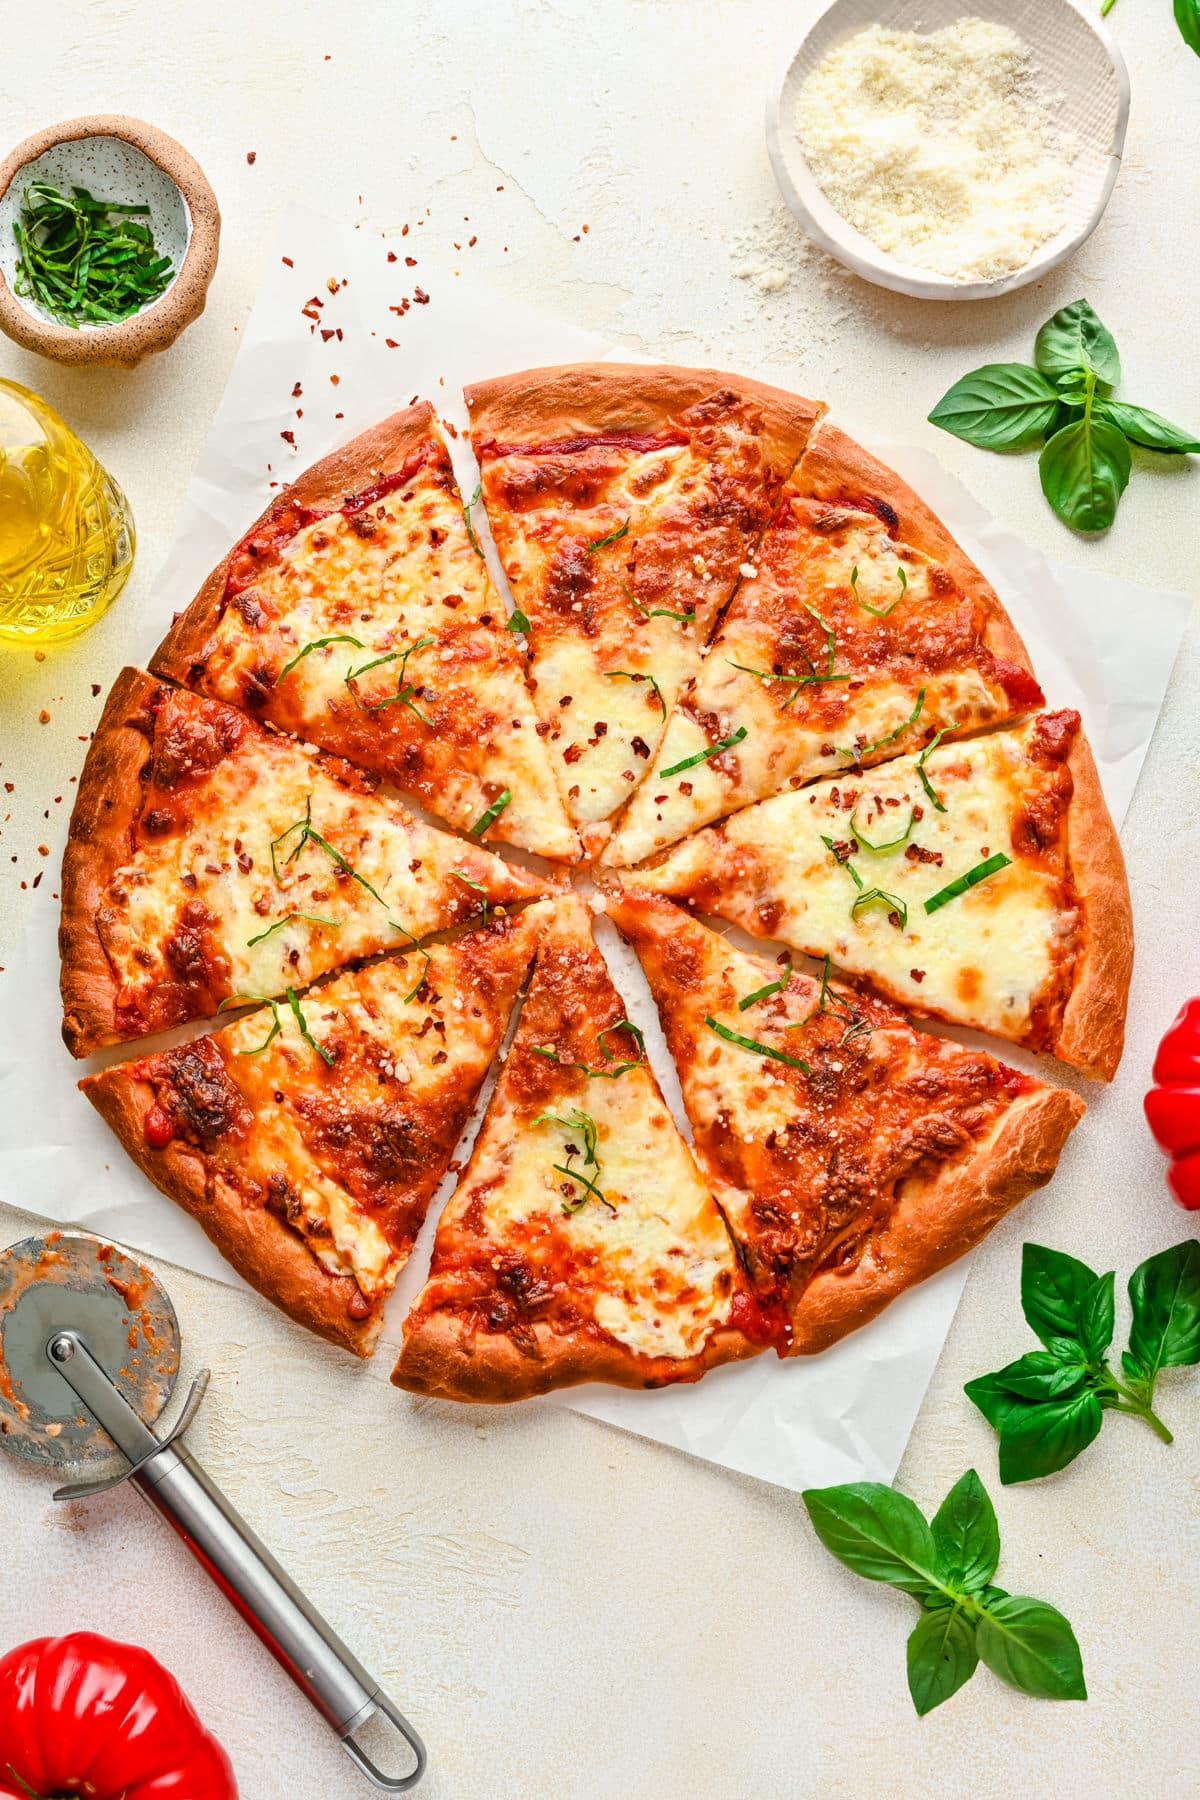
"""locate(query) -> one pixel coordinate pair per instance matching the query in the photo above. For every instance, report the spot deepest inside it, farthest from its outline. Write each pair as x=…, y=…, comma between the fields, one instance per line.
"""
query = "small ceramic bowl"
x=120, y=159
x=1076, y=60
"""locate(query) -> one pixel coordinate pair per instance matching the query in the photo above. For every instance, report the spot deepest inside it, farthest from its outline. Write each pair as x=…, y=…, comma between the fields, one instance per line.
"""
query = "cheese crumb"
x=940, y=148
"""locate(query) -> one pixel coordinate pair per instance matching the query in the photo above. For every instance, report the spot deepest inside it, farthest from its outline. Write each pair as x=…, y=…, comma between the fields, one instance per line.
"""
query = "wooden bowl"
x=1078, y=61
x=125, y=160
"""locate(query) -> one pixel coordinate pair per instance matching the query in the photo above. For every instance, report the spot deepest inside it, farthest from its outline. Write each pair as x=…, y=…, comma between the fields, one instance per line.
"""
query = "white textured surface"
x=564, y=1611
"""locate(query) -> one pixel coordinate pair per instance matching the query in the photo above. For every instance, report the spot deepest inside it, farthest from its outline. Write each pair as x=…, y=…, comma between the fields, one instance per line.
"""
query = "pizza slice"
x=864, y=632
x=851, y=1155
x=209, y=858
x=625, y=502
x=981, y=881
x=308, y=1139
x=582, y=1243
x=358, y=613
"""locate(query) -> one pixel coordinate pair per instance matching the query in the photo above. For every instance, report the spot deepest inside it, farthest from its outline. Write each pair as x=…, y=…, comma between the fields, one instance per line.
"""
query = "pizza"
x=626, y=504
x=741, y=671
x=210, y=858
x=307, y=1138
x=850, y=1155
x=582, y=1243
x=979, y=881
x=864, y=631
x=358, y=613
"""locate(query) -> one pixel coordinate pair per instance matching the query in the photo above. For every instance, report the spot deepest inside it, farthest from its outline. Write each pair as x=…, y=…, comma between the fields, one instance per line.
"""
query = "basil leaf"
x=1054, y=1287
x=1045, y=1438
x=941, y=1657
x=1084, y=470
x=1150, y=429
x=966, y=1537
x=998, y=1404
x=1187, y=17
x=1075, y=339
x=1032, y=1647
x=1042, y=1375
x=1164, y=1292
x=876, y=1532
x=1097, y=1317
x=1002, y=406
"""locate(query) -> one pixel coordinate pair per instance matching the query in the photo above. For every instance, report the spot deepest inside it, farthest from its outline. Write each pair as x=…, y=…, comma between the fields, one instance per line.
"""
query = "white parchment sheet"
x=1098, y=644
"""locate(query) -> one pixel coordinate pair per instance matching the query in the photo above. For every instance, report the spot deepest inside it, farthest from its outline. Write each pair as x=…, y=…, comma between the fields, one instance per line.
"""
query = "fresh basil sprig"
x=947, y=1565
x=1049, y=1404
x=1065, y=401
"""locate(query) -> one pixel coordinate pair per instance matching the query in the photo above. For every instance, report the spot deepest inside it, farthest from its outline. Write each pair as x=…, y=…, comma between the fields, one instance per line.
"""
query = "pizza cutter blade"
x=89, y=1354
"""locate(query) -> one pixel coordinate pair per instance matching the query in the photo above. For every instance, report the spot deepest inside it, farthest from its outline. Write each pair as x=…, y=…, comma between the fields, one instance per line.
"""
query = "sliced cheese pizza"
x=864, y=631
x=308, y=1139
x=582, y=1243
x=981, y=881
x=851, y=1155
x=210, y=858
x=358, y=613
x=625, y=502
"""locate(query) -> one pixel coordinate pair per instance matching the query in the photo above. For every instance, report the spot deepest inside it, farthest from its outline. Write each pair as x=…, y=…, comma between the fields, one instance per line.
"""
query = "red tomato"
x=1173, y=1104
x=85, y=1715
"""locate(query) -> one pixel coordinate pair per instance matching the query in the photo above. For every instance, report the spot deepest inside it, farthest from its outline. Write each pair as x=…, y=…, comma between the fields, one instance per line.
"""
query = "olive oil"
x=66, y=529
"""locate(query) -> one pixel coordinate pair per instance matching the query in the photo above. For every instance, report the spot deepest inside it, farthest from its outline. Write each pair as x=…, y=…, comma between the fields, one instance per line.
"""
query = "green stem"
x=1137, y=1406
x=1106, y=8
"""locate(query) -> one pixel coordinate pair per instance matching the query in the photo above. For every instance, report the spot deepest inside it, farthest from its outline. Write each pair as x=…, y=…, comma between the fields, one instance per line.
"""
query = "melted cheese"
x=402, y=572
x=984, y=958
x=223, y=860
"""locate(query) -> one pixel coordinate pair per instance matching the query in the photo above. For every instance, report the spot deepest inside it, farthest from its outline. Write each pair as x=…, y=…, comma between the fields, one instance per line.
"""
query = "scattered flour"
x=940, y=148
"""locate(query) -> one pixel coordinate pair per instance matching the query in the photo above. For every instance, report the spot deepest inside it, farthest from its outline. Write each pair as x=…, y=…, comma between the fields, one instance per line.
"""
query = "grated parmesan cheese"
x=940, y=148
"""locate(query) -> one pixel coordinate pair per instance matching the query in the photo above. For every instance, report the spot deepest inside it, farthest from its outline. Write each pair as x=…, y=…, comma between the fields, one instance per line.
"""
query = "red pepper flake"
x=338, y=333
x=471, y=242
x=287, y=262
x=450, y=427
x=410, y=262
x=326, y=334
x=917, y=974
x=587, y=228
x=391, y=343
x=420, y=296
x=252, y=156
x=43, y=849
x=404, y=231
x=308, y=313
x=332, y=284
x=95, y=689
x=289, y=437
x=39, y=656
x=37, y=878
x=335, y=379
x=339, y=415
x=44, y=717
x=392, y=257
x=297, y=391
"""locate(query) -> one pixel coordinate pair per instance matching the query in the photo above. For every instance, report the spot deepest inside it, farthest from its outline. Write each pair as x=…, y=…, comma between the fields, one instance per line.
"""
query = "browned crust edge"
x=263, y=1250
x=364, y=460
x=578, y=399
x=940, y=1220
x=1092, y=1031
x=837, y=468
x=105, y=809
x=437, y=1360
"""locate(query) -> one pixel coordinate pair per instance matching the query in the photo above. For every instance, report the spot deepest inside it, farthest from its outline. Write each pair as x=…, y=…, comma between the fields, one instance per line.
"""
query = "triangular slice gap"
x=626, y=503
x=851, y=1155
x=308, y=1139
x=358, y=613
x=210, y=858
x=980, y=881
x=865, y=632
x=582, y=1243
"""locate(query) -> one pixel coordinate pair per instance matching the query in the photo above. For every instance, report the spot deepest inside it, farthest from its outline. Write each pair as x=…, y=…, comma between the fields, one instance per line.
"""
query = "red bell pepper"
x=83, y=1715
x=1173, y=1104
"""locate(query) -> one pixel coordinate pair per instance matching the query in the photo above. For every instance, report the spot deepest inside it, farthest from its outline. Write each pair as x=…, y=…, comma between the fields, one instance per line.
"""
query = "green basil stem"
x=1131, y=1404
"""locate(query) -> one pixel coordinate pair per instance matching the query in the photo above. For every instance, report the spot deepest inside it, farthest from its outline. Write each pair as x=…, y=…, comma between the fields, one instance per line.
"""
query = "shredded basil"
x=690, y=762
x=631, y=675
x=763, y=993
x=404, y=689
x=491, y=815
x=466, y=513
x=585, y=1125
x=933, y=743
x=518, y=621
x=747, y=1043
x=879, y=612
x=312, y=918
x=971, y=879
x=655, y=612
x=610, y=538
x=887, y=843
x=857, y=755
x=339, y=637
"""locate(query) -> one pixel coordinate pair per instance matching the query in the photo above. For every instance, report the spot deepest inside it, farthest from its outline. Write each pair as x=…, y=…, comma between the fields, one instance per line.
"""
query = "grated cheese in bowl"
x=939, y=147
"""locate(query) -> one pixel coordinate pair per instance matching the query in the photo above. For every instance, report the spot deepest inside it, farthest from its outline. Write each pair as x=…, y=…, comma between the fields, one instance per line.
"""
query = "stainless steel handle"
x=175, y=1485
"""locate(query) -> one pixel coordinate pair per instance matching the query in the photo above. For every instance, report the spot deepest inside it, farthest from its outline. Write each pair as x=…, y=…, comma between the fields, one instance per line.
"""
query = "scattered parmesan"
x=940, y=148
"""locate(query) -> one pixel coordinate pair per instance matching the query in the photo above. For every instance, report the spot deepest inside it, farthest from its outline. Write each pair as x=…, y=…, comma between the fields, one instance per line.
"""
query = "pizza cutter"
x=89, y=1354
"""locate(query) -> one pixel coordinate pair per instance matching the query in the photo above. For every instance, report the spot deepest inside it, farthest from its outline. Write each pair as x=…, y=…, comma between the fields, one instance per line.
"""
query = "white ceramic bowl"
x=1073, y=54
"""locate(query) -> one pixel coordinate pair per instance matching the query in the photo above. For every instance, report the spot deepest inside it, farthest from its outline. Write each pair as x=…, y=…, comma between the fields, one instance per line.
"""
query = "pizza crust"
x=837, y=469
x=106, y=809
x=936, y=1222
x=581, y=399
x=1092, y=1032
x=365, y=460
x=264, y=1251
x=436, y=1361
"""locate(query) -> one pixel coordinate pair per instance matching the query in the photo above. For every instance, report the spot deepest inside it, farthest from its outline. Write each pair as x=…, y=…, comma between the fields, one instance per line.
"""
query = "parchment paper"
x=1099, y=644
